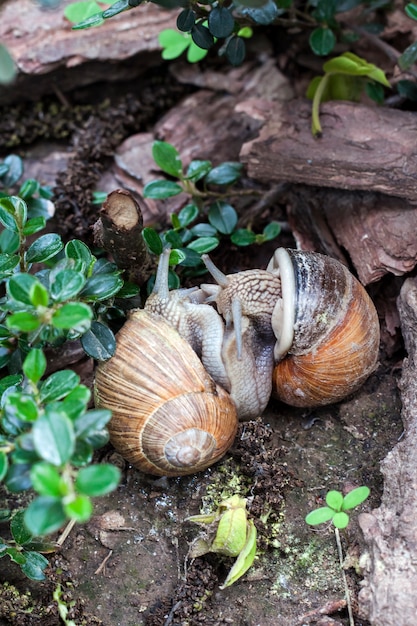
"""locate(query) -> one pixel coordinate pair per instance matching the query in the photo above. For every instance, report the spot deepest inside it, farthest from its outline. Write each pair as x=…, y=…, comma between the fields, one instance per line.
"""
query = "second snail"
x=303, y=330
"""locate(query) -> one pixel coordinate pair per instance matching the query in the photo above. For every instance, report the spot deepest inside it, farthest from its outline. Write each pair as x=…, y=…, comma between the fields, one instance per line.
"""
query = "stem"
x=315, y=116
x=347, y=594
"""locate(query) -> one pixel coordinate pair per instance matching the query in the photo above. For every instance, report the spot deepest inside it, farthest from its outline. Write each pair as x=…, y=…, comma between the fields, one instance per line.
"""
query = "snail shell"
x=327, y=330
x=169, y=417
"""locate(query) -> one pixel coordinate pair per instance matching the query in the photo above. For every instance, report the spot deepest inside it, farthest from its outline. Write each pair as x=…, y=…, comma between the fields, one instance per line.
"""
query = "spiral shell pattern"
x=169, y=418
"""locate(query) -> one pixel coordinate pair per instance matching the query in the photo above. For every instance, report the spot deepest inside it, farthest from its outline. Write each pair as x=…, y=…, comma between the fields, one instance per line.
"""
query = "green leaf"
x=18, y=477
x=23, y=406
x=97, y=480
x=334, y=499
x=72, y=314
x=116, y=8
x=34, y=225
x=245, y=559
x=19, y=287
x=34, y=365
x=223, y=217
x=45, y=247
x=58, y=385
x=411, y=10
x=271, y=231
x=197, y=170
x=24, y=322
x=34, y=566
x=186, y=20
x=18, y=529
x=66, y=285
x=45, y=515
x=75, y=403
x=160, y=189
x=79, y=251
x=53, y=437
x=187, y=215
x=320, y=516
x=224, y=174
x=7, y=219
x=204, y=230
x=192, y=259
x=79, y=11
x=176, y=256
x=101, y=287
x=221, y=22
x=236, y=51
x=173, y=43
x=8, y=262
x=99, y=342
x=167, y=158
x=201, y=36
x=14, y=170
x=243, y=237
x=7, y=66
x=406, y=60
x=9, y=242
x=39, y=295
x=152, y=240
x=195, y=53
x=46, y=480
x=4, y=464
x=79, y=509
x=264, y=14
x=340, y=519
x=28, y=188
x=322, y=41
x=94, y=20
x=203, y=245
x=355, y=497
x=173, y=239
x=91, y=422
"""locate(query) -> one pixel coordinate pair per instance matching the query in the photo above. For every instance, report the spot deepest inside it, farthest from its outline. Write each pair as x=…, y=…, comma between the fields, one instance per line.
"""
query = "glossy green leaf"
x=204, y=230
x=322, y=41
x=7, y=219
x=10, y=381
x=9, y=242
x=14, y=170
x=18, y=477
x=116, y=8
x=355, y=497
x=173, y=238
x=45, y=515
x=23, y=322
x=90, y=422
x=46, y=480
x=33, y=225
x=221, y=22
x=34, y=365
x=79, y=509
x=94, y=20
x=43, y=248
x=58, y=385
x=334, y=499
x=224, y=174
x=18, y=529
x=160, y=189
x=23, y=406
x=72, y=314
x=236, y=51
x=223, y=217
x=75, y=403
x=152, y=240
x=192, y=259
x=79, y=251
x=186, y=20
x=201, y=36
x=8, y=262
x=66, y=285
x=319, y=516
x=411, y=10
x=264, y=14
x=167, y=158
x=176, y=256
x=197, y=170
x=99, y=342
x=39, y=296
x=243, y=237
x=187, y=215
x=406, y=60
x=53, y=437
x=19, y=287
x=28, y=188
x=271, y=231
x=101, y=287
x=4, y=464
x=34, y=566
x=203, y=245
x=97, y=480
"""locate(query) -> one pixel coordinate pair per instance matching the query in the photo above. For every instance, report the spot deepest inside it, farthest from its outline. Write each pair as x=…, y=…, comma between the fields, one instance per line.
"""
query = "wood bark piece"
x=377, y=230
x=119, y=231
x=362, y=148
x=389, y=594
x=50, y=55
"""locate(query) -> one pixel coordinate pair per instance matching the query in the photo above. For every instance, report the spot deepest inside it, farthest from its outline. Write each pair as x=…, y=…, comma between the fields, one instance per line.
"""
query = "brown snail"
x=325, y=324
x=169, y=417
x=304, y=329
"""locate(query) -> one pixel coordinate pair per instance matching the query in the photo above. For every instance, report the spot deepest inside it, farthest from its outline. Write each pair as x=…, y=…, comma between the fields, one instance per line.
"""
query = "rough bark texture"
x=50, y=55
x=389, y=593
x=362, y=148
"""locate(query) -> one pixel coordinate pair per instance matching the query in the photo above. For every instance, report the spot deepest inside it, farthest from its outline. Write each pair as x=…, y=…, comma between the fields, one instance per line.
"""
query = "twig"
x=103, y=564
x=68, y=528
x=347, y=593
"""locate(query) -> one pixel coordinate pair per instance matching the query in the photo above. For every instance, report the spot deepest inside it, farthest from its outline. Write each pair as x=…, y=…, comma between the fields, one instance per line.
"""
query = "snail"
x=325, y=324
x=304, y=329
x=169, y=417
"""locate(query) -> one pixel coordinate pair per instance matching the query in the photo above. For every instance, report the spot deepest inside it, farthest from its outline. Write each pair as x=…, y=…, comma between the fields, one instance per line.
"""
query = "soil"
x=129, y=565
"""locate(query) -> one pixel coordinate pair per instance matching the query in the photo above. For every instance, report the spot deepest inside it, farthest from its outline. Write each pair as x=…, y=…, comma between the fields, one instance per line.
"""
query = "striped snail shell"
x=327, y=330
x=169, y=417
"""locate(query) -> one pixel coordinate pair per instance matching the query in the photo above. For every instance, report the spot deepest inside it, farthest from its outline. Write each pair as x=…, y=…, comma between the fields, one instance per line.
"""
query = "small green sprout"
x=345, y=78
x=336, y=508
x=234, y=535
